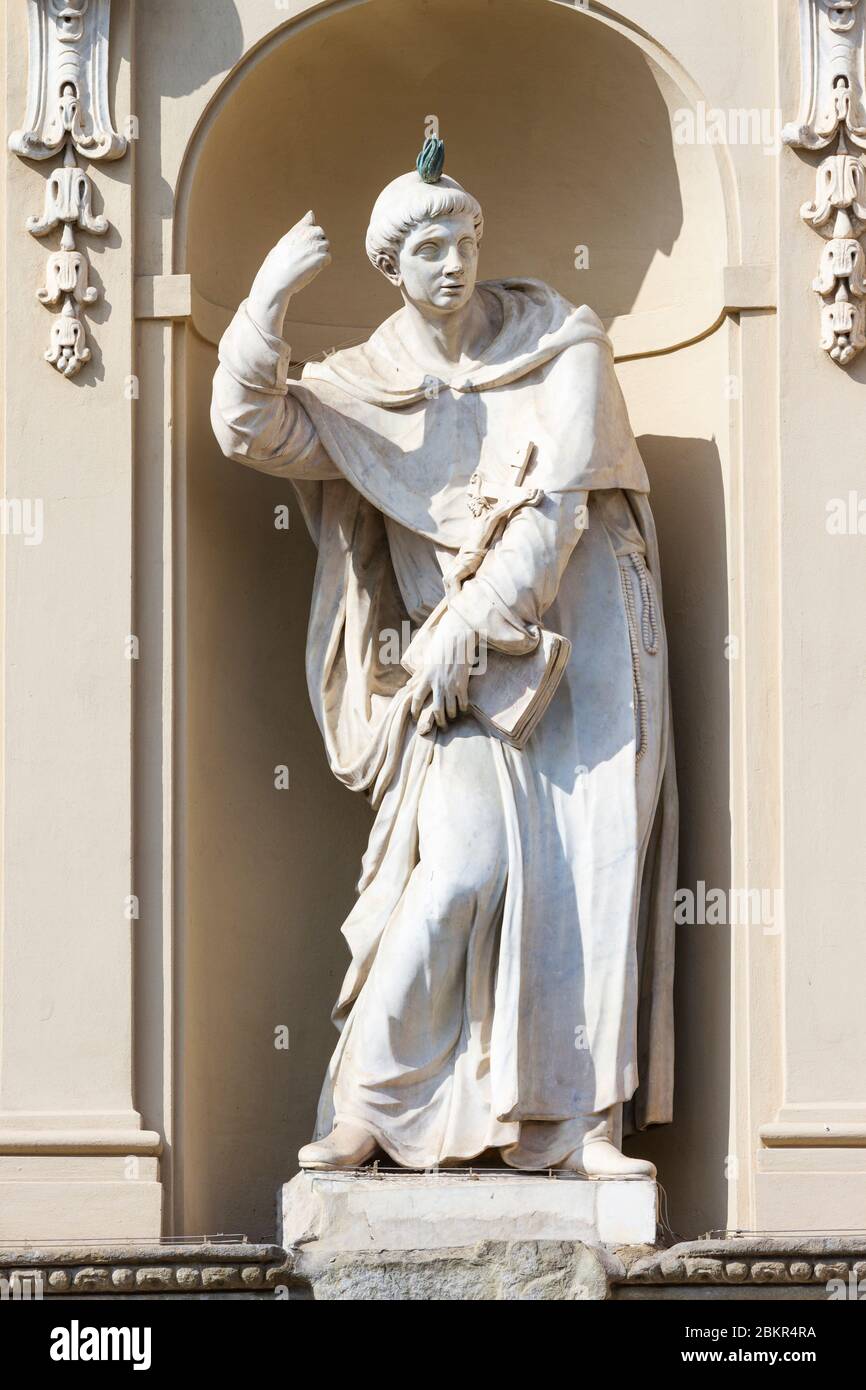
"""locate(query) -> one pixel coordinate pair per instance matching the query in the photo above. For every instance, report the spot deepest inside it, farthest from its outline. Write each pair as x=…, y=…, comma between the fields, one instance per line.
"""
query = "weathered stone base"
x=491, y=1271
x=362, y=1210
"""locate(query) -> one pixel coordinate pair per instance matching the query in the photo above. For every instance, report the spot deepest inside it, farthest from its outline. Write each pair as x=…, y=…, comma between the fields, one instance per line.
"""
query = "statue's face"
x=438, y=264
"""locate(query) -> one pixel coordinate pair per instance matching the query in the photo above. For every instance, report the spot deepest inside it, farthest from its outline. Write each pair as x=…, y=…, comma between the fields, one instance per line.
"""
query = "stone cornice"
x=804, y=1264
x=757, y=1260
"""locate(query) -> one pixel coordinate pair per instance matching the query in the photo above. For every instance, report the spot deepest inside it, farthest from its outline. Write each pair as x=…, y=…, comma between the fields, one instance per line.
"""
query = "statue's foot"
x=347, y=1146
x=600, y=1158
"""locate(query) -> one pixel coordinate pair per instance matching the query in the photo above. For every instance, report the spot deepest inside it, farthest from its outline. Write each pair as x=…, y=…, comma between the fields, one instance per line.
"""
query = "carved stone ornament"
x=67, y=111
x=67, y=89
x=833, y=109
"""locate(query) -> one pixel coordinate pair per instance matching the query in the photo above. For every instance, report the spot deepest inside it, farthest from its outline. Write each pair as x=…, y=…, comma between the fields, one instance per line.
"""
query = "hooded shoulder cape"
x=409, y=443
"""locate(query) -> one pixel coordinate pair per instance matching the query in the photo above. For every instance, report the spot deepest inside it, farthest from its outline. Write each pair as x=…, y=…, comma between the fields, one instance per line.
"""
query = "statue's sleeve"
x=519, y=577
x=255, y=418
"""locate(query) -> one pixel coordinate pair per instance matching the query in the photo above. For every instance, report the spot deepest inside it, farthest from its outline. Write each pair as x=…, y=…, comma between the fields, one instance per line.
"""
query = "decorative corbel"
x=833, y=109
x=67, y=112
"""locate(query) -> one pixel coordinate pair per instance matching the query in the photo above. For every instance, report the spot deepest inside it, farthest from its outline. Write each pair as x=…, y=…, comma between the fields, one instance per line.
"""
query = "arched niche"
x=563, y=128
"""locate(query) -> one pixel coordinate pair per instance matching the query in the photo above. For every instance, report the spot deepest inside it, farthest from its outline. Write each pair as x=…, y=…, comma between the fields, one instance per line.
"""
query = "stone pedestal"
x=432, y=1211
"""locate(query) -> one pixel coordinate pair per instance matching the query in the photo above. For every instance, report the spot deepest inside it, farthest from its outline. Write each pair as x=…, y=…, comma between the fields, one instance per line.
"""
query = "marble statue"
x=510, y=984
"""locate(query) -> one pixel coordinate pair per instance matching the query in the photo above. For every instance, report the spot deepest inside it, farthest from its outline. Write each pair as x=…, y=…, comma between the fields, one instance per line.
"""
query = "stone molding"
x=115, y=1270
x=646, y=333
x=545, y=1270
x=755, y=1260
x=123, y=1142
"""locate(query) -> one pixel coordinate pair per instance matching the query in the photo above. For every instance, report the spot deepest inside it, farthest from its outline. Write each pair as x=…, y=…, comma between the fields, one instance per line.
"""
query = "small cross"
x=523, y=461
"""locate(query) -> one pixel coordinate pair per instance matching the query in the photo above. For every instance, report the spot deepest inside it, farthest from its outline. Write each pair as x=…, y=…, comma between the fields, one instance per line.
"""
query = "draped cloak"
x=585, y=941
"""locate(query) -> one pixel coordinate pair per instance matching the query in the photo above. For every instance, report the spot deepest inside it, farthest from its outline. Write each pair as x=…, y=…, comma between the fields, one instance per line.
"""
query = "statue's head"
x=423, y=236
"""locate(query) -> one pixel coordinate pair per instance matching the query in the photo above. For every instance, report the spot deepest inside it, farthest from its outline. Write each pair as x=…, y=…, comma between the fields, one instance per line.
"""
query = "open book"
x=509, y=694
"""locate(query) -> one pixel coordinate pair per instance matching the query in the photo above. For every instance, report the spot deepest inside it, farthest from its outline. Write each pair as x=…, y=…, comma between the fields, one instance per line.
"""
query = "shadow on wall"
x=689, y=507
x=191, y=50
x=221, y=44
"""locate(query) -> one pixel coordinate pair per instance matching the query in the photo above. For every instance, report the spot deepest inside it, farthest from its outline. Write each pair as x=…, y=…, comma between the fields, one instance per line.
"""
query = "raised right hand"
x=297, y=258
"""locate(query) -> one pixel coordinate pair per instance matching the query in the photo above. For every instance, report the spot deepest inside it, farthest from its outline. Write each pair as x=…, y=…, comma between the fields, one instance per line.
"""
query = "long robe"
x=512, y=943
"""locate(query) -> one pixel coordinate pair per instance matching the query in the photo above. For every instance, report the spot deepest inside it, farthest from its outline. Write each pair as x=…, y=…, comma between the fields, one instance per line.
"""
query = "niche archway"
x=563, y=129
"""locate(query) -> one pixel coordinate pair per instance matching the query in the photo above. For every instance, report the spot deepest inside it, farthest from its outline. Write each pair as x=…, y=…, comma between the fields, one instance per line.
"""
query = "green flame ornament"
x=431, y=160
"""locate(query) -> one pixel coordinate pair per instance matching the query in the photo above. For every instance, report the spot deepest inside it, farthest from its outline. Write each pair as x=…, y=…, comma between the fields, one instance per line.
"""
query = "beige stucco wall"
x=158, y=779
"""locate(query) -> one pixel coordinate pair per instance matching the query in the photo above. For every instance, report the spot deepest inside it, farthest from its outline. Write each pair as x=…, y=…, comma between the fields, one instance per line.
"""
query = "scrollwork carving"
x=66, y=273
x=67, y=110
x=68, y=198
x=833, y=107
x=67, y=91
x=68, y=351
